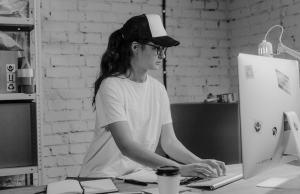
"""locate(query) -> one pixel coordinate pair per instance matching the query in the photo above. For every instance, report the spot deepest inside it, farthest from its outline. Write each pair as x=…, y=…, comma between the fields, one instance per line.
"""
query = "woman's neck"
x=137, y=76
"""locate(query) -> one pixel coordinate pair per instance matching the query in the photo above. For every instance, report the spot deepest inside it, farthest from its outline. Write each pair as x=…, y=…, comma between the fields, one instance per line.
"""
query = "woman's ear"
x=134, y=46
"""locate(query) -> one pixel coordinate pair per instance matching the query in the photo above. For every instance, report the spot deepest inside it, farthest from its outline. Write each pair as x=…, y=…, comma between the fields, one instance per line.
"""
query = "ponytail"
x=115, y=60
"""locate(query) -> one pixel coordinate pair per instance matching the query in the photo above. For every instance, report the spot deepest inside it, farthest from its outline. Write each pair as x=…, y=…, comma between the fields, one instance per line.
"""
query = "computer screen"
x=268, y=87
x=18, y=141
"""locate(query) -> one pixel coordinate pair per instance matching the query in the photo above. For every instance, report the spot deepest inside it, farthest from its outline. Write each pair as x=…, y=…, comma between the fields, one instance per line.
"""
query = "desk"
x=239, y=187
x=249, y=186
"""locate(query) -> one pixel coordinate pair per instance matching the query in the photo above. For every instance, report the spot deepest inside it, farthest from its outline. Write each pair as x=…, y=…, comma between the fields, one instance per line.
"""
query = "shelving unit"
x=17, y=96
x=32, y=27
x=19, y=170
x=16, y=24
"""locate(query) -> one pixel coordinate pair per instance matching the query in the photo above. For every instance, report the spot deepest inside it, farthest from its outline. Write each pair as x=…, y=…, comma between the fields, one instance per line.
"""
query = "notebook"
x=73, y=186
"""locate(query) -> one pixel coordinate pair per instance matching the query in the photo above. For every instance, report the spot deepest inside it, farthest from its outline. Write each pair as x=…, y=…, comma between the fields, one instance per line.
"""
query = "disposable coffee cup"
x=168, y=179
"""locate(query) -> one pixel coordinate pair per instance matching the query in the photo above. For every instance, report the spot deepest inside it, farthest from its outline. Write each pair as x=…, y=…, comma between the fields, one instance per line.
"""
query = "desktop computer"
x=269, y=94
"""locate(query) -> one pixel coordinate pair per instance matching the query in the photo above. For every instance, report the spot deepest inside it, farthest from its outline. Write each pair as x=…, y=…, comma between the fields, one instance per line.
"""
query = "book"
x=74, y=186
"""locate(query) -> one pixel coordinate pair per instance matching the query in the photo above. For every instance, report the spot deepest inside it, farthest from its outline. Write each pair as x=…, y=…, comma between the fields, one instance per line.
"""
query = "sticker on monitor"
x=283, y=81
x=249, y=72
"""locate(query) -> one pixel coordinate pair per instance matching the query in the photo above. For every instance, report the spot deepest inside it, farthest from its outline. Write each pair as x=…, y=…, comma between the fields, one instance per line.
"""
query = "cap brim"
x=165, y=41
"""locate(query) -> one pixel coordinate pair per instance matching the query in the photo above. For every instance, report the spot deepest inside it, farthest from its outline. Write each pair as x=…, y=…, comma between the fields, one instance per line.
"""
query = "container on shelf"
x=8, y=67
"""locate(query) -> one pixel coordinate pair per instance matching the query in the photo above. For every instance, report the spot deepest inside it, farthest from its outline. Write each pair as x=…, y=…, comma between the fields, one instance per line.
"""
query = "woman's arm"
x=124, y=140
x=128, y=147
x=174, y=148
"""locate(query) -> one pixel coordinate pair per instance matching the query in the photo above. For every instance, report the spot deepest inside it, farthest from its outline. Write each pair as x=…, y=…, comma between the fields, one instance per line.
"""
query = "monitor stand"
x=291, y=134
x=287, y=151
x=288, y=145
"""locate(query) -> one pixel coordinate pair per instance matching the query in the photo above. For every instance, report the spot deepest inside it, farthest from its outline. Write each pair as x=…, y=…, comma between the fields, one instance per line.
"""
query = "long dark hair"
x=115, y=60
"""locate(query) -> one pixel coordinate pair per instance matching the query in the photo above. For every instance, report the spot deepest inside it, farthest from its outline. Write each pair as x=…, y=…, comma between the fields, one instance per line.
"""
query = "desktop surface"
x=248, y=186
x=242, y=186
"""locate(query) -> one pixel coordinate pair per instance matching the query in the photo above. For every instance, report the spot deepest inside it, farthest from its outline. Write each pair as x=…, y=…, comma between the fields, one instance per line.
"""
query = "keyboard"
x=214, y=183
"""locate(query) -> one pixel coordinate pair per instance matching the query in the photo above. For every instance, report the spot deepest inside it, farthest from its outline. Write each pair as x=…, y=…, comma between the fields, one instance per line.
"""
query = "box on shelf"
x=8, y=67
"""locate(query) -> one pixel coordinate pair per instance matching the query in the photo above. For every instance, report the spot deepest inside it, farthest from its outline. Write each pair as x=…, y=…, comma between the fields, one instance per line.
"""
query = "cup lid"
x=167, y=171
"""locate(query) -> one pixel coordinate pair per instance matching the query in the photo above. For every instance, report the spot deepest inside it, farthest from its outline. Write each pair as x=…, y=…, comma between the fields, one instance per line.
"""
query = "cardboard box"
x=8, y=67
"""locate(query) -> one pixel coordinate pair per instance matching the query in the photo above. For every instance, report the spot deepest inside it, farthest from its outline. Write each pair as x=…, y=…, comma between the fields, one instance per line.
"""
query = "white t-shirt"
x=146, y=108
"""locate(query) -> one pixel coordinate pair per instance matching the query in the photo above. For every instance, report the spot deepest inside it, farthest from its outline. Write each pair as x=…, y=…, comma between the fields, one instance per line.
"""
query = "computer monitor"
x=18, y=140
x=268, y=88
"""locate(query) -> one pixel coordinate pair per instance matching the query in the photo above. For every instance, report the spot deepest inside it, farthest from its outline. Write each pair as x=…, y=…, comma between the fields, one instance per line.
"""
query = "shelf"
x=17, y=96
x=18, y=170
x=30, y=31
x=16, y=24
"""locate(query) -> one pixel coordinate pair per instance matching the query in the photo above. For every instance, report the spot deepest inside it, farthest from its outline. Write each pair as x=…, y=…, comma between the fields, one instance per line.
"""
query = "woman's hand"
x=204, y=168
x=219, y=166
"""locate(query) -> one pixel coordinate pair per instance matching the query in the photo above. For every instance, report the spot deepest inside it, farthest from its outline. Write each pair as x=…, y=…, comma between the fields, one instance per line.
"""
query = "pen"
x=40, y=192
x=135, y=182
x=133, y=192
x=182, y=191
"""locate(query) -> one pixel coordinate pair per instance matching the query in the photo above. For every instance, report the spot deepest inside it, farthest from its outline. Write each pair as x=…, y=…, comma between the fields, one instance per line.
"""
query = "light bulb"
x=265, y=49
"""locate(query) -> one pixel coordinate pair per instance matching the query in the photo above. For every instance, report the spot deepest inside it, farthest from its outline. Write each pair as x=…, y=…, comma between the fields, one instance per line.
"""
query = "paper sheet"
x=143, y=175
x=99, y=186
x=292, y=182
x=272, y=182
x=65, y=186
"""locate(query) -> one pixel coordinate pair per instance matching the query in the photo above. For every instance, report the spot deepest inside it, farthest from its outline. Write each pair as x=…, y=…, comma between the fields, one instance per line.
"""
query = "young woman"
x=133, y=109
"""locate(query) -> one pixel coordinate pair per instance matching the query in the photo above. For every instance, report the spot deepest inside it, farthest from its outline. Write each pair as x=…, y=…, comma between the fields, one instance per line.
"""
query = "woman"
x=133, y=109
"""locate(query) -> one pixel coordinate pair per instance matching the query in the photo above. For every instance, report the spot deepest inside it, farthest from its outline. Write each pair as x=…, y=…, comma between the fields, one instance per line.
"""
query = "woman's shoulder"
x=156, y=83
x=113, y=79
x=112, y=82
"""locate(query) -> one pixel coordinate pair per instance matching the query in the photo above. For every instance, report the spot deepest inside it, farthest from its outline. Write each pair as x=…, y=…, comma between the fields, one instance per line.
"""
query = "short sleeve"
x=166, y=109
x=110, y=103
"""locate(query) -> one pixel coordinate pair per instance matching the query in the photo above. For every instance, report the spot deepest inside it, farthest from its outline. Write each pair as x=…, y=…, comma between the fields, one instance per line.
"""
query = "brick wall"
x=250, y=20
x=198, y=66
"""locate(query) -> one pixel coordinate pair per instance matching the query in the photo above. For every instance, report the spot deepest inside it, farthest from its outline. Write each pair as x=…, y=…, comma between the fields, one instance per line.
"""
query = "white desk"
x=239, y=187
x=249, y=186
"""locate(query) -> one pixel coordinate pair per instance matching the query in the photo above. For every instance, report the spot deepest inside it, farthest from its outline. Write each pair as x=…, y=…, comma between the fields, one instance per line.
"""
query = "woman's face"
x=150, y=56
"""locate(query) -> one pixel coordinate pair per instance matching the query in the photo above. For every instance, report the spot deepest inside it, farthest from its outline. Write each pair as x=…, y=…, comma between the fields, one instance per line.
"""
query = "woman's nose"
x=162, y=55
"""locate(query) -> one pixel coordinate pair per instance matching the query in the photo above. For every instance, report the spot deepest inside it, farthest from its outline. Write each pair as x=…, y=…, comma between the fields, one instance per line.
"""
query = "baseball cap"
x=147, y=28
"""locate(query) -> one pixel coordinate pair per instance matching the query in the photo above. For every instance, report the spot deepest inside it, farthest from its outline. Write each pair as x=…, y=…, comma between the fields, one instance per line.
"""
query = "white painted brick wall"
x=250, y=20
x=197, y=65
